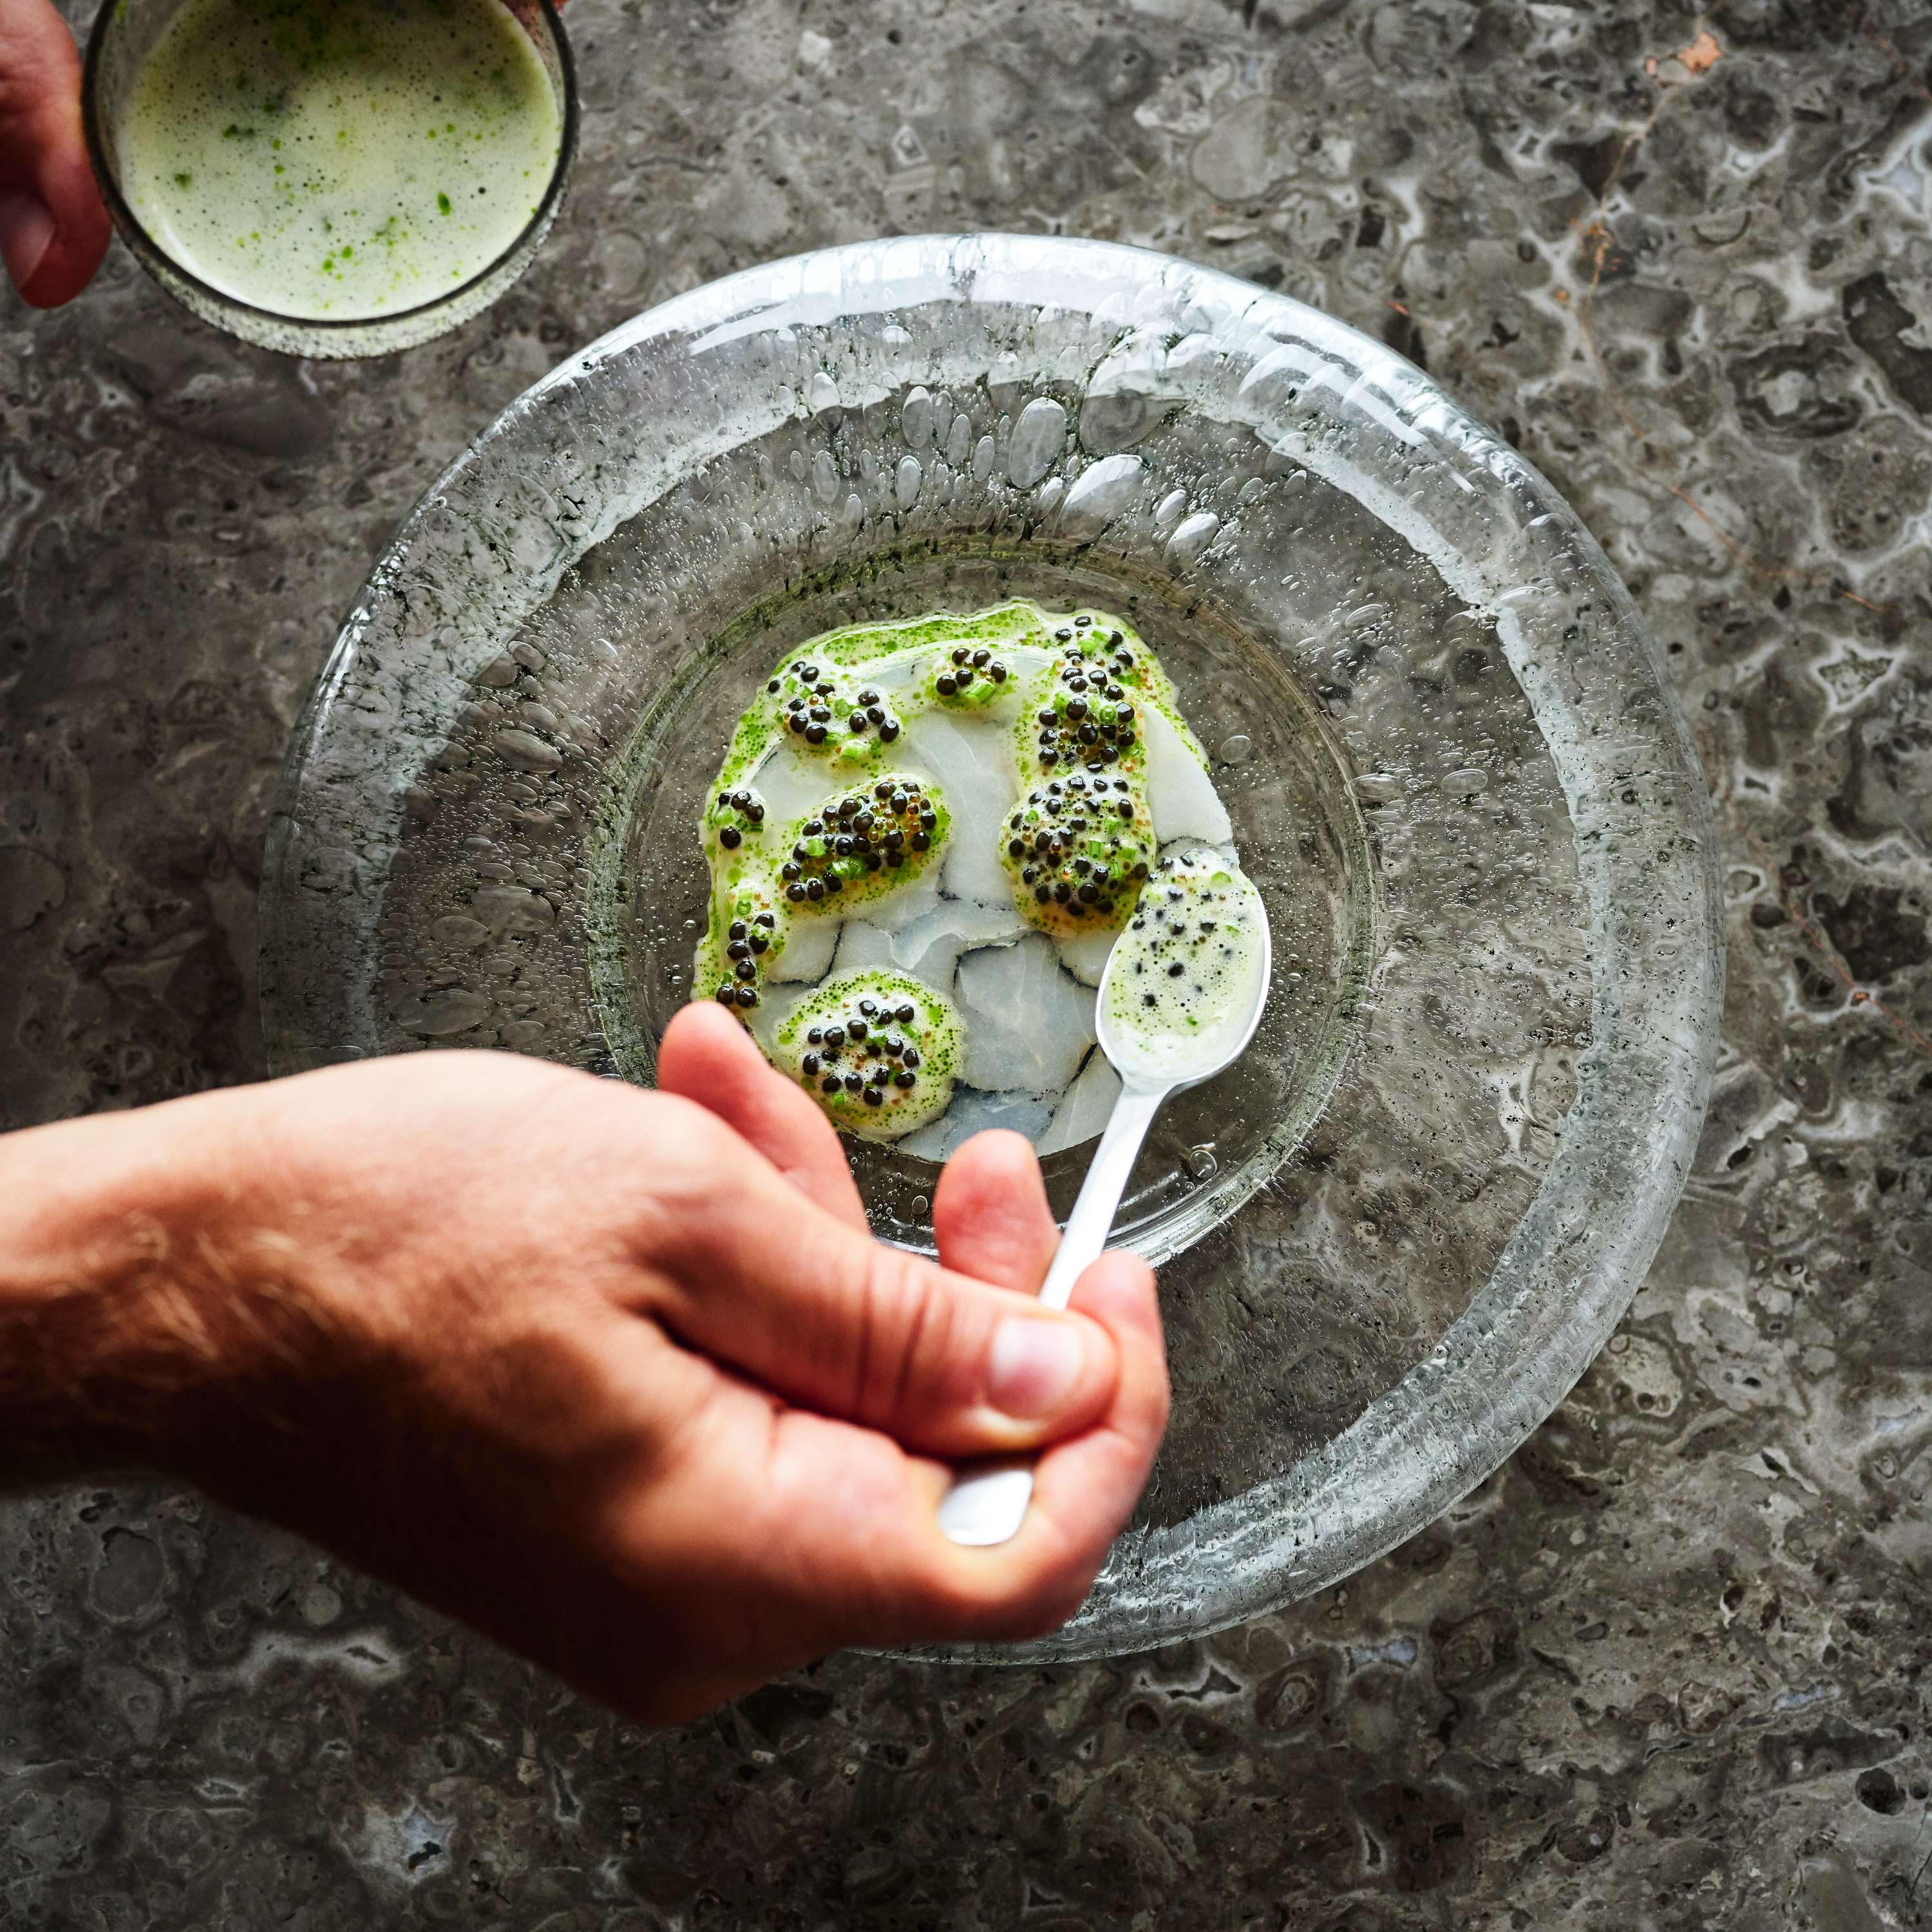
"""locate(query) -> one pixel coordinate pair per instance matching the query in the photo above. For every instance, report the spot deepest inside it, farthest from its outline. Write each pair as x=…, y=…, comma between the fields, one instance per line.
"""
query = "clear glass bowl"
x=125, y=31
x=1397, y=1231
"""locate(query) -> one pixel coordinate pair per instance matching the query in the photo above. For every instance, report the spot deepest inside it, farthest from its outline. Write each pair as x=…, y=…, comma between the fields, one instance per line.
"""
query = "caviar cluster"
x=817, y=711
x=1088, y=719
x=1078, y=846
x=861, y=1055
x=877, y=1051
x=890, y=828
x=970, y=670
x=746, y=813
x=745, y=941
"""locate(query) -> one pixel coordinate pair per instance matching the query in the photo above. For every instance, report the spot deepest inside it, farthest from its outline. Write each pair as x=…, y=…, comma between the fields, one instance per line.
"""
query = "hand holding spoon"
x=1182, y=994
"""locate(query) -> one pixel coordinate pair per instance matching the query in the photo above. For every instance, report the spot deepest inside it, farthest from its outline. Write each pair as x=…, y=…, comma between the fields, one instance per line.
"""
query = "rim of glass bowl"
x=1648, y=873
x=334, y=335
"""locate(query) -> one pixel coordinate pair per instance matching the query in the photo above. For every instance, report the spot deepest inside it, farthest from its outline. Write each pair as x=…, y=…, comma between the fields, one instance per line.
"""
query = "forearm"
x=138, y=1303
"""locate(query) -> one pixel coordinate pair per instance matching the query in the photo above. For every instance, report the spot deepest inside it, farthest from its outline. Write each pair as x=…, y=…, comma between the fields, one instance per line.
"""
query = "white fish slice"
x=806, y=956
x=1028, y=1024
x=1181, y=798
x=1084, y=1111
x=1084, y=955
x=972, y=760
x=972, y=1112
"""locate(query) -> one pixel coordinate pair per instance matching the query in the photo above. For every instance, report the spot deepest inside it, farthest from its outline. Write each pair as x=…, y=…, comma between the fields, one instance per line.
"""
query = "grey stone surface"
x=1666, y=1669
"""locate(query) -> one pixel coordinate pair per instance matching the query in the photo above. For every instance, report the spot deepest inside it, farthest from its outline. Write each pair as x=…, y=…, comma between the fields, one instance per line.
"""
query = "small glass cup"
x=125, y=32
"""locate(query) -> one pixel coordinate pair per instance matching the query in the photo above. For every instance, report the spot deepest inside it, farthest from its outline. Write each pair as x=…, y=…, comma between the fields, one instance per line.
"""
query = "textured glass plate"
x=1397, y=1232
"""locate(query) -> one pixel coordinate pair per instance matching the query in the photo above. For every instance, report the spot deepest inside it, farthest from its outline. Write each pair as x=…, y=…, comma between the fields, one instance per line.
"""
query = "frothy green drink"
x=339, y=159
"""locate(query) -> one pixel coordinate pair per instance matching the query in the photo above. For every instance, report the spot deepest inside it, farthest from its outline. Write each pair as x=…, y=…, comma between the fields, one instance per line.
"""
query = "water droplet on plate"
x=1038, y=439
x=1201, y=1163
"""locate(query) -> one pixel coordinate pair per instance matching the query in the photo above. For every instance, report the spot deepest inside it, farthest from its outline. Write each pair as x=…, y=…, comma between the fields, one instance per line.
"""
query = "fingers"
x=861, y=1532
x=746, y=1271
x=53, y=228
x=990, y=1217
x=707, y=1057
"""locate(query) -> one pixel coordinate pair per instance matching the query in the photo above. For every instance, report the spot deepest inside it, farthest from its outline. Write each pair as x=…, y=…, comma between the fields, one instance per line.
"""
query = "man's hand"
x=53, y=229
x=618, y=1377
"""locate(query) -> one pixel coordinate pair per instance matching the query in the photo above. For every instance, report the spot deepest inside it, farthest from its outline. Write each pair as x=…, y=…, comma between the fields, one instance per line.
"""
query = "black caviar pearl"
x=821, y=714
x=1062, y=892
x=1049, y=717
x=869, y=1008
x=727, y=994
x=903, y=1079
x=920, y=842
x=833, y=883
x=892, y=1046
x=797, y=721
x=829, y=1084
x=1043, y=893
x=730, y=838
x=863, y=822
x=1015, y=848
x=873, y=1098
x=981, y=659
x=868, y=696
x=809, y=1064
x=873, y=861
x=857, y=721
x=814, y=734
x=835, y=1036
x=895, y=839
x=723, y=800
x=809, y=672
x=898, y=801
x=1062, y=634
x=814, y=889
x=853, y=1083
x=945, y=684
x=1174, y=971
x=745, y=970
x=928, y=818
x=815, y=1036
x=767, y=919
x=747, y=997
x=738, y=949
x=741, y=799
x=796, y=893
x=912, y=1056
x=1076, y=707
x=965, y=678
x=858, y=1029
x=889, y=730
x=848, y=807
x=788, y=870
x=959, y=657
x=874, y=714
x=1115, y=638
x=1089, y=893
x=882, y=791
x=738, y=929
x=773, y=685
x=842, y=847
x=904, y=1015
x=760, y=943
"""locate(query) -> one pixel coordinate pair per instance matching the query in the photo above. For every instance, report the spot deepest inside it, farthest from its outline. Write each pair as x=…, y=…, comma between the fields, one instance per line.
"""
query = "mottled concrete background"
x=1665, y=1669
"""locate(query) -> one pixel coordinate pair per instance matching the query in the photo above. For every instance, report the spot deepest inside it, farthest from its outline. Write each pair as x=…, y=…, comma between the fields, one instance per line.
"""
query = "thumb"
x=53, y=229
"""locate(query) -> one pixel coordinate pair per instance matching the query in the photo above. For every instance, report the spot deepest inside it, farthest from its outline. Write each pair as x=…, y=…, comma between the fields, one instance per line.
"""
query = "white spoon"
x=987, y=1501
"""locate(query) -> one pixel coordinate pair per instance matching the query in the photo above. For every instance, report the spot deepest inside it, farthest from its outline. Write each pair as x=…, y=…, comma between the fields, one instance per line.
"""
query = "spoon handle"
x=1092, y=1220
x=987, y=1501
